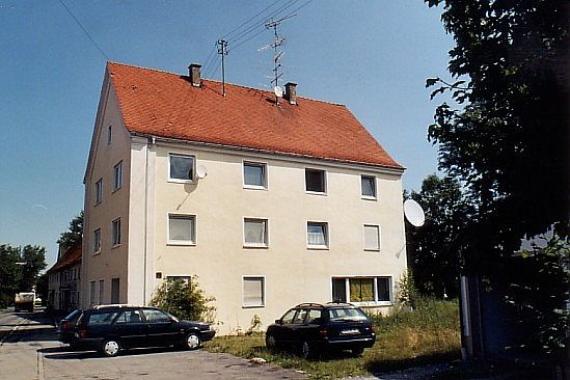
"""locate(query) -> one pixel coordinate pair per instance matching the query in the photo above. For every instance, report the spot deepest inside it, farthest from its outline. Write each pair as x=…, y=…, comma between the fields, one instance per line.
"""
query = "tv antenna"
x=277, y=53
x=223, y=51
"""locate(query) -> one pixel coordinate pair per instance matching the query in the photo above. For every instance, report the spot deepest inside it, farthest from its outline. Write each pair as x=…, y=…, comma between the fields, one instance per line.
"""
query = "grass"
x=430, y=334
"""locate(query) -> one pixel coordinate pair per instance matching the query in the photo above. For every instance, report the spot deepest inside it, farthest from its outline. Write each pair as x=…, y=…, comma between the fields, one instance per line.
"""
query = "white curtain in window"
x=255, y=231
x=180, y=228
x=253, y=291
x=316, y=234
x=368, y=186
x=371, y=237
x=254, y=174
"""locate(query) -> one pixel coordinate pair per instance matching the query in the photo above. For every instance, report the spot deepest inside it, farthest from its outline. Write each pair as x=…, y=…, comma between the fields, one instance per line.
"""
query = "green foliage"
x=19, y=269
x=255, y=325
x=184, y=300
x=434, y=249
x=408, y=294
x=74, y=234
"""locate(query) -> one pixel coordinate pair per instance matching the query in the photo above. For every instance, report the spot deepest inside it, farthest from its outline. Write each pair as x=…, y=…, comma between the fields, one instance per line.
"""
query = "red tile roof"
x=71, y=257
x=167, y=105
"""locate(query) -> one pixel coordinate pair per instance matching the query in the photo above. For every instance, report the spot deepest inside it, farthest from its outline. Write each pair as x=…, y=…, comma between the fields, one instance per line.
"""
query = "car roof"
x=328, y=305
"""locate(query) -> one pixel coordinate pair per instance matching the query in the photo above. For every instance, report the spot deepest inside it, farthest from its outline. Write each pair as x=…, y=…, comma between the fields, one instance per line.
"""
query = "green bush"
x=185, y=300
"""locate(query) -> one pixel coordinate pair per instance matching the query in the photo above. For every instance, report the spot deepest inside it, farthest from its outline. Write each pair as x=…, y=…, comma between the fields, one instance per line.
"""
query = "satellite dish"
x=201, y=172
x=414, y=213
x=278, y=91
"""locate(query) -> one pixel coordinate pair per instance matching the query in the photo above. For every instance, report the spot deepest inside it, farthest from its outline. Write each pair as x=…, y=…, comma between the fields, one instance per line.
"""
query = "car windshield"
x=346, y=314
x=172, y=316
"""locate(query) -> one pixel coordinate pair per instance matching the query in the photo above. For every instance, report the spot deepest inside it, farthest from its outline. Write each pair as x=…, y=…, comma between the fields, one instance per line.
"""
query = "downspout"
x=150, y=143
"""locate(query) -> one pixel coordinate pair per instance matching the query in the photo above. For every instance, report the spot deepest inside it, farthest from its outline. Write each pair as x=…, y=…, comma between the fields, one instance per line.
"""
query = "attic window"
x=181, y=168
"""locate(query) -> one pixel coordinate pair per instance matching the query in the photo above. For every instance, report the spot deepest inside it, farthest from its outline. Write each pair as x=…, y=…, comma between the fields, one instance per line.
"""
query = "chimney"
x=194, y=73
x=291, y=92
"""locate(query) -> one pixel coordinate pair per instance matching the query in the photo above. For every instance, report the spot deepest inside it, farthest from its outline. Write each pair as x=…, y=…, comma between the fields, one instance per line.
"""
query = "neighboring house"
x=64, y=280
x=300, y=203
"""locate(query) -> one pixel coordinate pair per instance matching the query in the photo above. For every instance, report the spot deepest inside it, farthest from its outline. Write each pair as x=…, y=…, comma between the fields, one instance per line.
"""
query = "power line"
x=84, y=30
x=249, y=19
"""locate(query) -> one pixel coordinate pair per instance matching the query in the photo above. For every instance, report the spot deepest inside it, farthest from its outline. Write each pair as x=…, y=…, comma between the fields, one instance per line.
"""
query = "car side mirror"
x=278, y=321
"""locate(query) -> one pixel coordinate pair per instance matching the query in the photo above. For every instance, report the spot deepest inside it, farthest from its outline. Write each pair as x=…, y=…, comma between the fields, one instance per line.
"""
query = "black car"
x=311, y=328
x=109, y=329
x=66, y=327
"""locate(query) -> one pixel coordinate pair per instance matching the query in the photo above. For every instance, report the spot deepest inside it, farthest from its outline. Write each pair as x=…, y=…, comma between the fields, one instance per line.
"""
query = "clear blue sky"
x=373, y=56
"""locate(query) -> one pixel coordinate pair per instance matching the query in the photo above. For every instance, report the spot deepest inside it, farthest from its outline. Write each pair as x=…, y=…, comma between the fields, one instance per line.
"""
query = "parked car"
x=311, y=328
x=110, y=329
x=66, y=328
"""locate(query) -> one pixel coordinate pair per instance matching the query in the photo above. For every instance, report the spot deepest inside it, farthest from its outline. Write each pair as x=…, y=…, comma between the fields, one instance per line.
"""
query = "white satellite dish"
x=278, y=91
x=414, y=213
x=201, y=172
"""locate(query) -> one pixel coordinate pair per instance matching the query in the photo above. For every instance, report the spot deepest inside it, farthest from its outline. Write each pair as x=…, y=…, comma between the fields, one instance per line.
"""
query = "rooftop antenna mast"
x=223, y=51
x=277, y=52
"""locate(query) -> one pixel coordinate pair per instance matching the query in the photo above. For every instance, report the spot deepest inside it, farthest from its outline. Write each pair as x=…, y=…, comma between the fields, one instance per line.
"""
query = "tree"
x=19, y=270
x=74, y=234
x=433, y=249
x=184, y=300
x=32, y=261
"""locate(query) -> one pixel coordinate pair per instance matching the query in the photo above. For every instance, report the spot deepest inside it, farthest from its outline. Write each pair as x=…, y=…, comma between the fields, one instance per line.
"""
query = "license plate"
x=350, y=332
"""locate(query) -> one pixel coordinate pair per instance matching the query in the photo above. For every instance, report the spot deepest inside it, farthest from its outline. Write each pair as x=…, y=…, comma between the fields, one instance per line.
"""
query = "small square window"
x=118, y=176
x=315, y=180
x=181, y=168
x=255, y=175
x=253, y=291
x=99, y=191
x=368, y=186
x=116, y=232
x=181, y=229
x=255, y=232
x=97, y=240
x=317, y=235
x=371, y=237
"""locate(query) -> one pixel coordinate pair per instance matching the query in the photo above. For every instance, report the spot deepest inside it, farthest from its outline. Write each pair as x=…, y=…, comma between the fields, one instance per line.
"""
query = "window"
x=184, y=279
x=118, y=176
x=156, y=316
x=253, y=291
x=181, y=229
x=314, y=316
x=317, y=235
x=315, y=181
x=368, y=186
x=92, y=293
x=287, y=318
x=103, y=318
x=99, y=191
x=181, y=168
x=371, y=237
x=116, y=227
x=129, y=316
x=255, y=175
x=300, y=317
x=115, y=290
x=255, y=232
x=101, y=291
x=97, y=240
x=109, y=135
x=361, y=289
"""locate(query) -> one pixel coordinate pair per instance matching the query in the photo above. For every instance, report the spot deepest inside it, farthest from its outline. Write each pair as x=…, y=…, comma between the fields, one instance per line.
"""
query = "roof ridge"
x=227, y=83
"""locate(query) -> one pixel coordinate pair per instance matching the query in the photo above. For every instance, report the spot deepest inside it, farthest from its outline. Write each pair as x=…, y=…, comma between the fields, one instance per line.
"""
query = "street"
x=29, y=350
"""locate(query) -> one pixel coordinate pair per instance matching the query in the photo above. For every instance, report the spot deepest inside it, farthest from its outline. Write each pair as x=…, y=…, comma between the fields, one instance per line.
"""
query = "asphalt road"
x=29, y=350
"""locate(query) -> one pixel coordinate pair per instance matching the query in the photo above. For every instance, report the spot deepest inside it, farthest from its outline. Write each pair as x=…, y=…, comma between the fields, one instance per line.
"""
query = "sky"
x=372, y=55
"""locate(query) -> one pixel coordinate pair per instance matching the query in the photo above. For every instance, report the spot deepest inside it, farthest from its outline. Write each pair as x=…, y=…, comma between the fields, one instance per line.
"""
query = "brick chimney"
x=194, y=74
x=291, y=92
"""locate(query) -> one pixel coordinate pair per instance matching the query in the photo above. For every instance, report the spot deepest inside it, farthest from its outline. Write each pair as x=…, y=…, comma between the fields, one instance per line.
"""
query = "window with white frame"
x=92, y=300
x=371, y=237
x=368, y=186
x=255, y=232
x=184, y=279
x=255, y=175
x=97, y=240
x=362, y=289
x=254, y=291
x=99, y=191
x=116, y=231
x=317, y=235
x=101, y=291
x=181, y=168
x=181, y=229
x=315, y=181
x=117, y=176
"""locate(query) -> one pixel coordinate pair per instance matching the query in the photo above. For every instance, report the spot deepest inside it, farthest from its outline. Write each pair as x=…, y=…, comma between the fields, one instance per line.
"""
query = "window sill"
x=323, y=193
x=372, y=303
x=97, y=203
x=174, y=180
x=372, y=249
x=181, y=243
x=252, y=306
x=116, y=245
x=254, y=187
x=318, y=247
x=115, y=190
x=96, y=253
x=256, y=246
x=368, y=198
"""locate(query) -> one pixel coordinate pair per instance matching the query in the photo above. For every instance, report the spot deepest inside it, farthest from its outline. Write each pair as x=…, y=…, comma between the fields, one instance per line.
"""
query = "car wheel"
x=271, y=342
x=306, y=350
x=357, y=351
x=193, y=341
x=110, y=348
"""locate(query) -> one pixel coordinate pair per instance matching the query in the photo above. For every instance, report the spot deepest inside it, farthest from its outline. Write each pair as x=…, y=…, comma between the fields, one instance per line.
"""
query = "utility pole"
x=223, y=51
